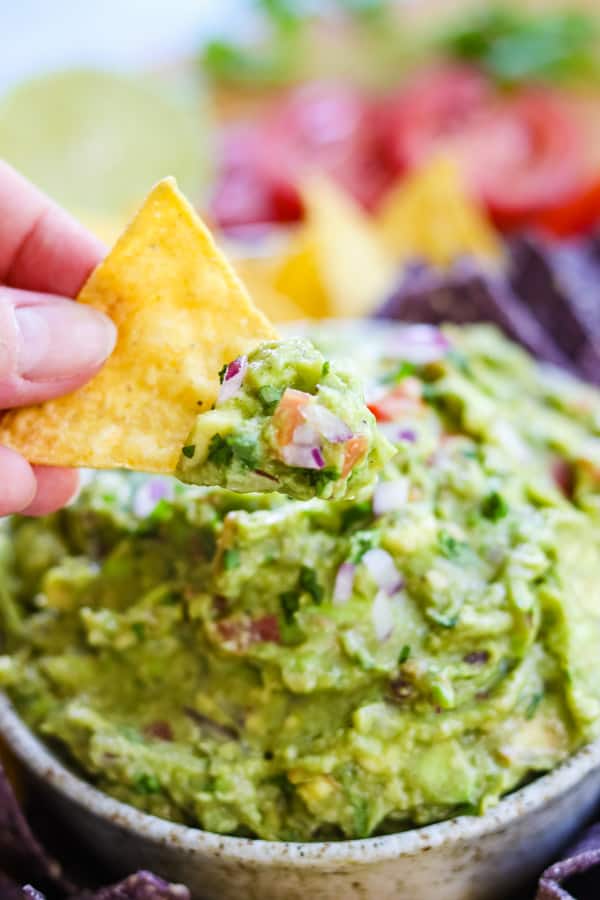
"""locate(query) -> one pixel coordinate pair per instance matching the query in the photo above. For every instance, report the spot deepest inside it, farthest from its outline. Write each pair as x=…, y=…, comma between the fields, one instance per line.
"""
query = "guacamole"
x=261, y=666
x=290, y=421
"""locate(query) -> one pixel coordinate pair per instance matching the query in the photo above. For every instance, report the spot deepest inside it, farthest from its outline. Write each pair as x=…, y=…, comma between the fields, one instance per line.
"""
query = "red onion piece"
x=382, y=570
x=382, y=616
x=233, y=379
x=327, y=424
x=302, y=457
x=389, y=496
x=305, y=436
x=419, y=344
x=150, y=493
x=344, y=582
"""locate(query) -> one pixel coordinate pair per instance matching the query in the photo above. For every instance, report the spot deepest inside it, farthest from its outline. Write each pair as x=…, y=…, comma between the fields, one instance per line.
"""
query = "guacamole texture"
x=261, y=666
x=287, y=420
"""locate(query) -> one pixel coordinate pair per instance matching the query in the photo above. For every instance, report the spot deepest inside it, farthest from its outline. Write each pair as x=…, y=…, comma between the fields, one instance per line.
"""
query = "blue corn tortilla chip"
x=464, y=294
x=578, y=872
x=20, y=852
x=559, y=283
x=141, y=886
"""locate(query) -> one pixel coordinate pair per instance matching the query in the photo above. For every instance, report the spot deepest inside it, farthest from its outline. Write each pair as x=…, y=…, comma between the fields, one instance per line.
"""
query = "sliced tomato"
x=317, y=127
x=520, y=153
x=355, y=450
x=403, y=400
x=578, y=214
x=288, y=415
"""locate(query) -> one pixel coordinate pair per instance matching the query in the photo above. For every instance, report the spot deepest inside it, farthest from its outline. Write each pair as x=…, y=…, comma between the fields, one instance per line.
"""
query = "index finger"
x=42, y=247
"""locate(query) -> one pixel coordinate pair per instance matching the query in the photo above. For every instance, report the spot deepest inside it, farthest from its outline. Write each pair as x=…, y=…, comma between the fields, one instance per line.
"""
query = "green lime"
x=97, y=141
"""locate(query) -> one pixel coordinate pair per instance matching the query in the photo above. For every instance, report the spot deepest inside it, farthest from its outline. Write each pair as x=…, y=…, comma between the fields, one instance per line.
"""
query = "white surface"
x=39, y=35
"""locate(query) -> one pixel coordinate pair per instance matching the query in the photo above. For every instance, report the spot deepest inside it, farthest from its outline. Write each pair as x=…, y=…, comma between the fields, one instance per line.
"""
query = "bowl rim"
x=38, y=759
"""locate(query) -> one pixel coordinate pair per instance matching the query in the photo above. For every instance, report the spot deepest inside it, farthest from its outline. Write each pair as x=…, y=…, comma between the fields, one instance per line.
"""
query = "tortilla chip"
x=258, y=274
x=431, y=216
x=337, y=265
x=181, y=313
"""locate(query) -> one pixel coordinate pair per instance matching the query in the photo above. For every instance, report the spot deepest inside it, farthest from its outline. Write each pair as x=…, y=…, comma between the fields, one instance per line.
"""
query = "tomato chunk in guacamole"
x=290, y=670
x=287, y=420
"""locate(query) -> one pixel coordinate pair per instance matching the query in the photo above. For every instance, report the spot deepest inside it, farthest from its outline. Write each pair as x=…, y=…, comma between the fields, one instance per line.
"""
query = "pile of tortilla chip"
x=342, y=262
x=24, y=862
x=546, y=297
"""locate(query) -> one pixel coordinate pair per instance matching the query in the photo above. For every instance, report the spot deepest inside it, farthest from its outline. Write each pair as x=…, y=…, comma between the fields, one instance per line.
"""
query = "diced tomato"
x=355, y=450
x=520, y=153
x=403, y=400
x=288, y=415
x=265, y=629
x=241, y=633
x=563, y=475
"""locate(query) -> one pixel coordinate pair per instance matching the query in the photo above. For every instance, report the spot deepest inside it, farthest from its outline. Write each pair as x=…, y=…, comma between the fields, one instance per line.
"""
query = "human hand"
x=49, y=345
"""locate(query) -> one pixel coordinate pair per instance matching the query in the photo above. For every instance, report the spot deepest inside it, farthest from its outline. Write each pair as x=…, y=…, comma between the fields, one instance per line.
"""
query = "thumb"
x=48, y=346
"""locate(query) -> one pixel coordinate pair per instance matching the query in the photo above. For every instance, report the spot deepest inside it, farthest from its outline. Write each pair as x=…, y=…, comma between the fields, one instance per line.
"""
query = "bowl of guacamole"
x=333, y=673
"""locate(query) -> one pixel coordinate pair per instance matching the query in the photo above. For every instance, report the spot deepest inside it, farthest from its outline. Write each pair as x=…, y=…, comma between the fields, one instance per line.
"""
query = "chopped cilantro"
x=445, y=620
x=290, y=604
x=231, y=559
x=404, y=654
x=269, y=396
x=360, y=814
x=307, y=581
x=139, y=629
x=451, y=548
x=326, y=368
x=360, y=543
x=244, y=448
x=532, y=706
x=494, y=506
x=402, y=371
x=189, y=450
x=222, y=371
x=147, y=784
x=219, y=451
x=355, y=514
x=318, y=478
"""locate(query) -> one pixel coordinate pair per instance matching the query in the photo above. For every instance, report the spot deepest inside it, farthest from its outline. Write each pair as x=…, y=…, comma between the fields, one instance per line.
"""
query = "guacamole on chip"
x=294, y=670
x=288, y=420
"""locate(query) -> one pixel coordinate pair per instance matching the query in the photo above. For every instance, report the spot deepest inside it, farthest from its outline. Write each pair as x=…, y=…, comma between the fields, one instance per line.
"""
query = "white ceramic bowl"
x=469, y=858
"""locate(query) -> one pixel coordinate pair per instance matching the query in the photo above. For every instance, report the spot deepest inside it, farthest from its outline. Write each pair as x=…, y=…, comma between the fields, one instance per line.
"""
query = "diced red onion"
x=305, y=436
x=389, y=496
x=419, y=344
x=302, y=457
x=150, y=493
x=233, y=379
x=327, y=424
x=381, y=614
x=382, y=570
x=344, y=582
x=407, y=434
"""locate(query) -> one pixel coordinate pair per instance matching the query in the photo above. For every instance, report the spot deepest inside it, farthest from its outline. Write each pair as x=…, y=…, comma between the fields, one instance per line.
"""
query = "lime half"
x=97, y=141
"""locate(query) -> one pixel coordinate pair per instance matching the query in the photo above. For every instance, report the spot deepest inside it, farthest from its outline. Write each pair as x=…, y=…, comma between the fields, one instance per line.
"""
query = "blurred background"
x=425, y=160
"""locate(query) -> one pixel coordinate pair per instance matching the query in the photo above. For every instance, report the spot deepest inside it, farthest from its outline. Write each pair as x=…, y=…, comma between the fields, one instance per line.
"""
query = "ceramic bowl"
x=468, y=858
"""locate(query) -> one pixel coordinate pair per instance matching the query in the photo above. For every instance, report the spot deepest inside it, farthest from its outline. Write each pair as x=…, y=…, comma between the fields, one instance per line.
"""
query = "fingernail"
x=61, y=340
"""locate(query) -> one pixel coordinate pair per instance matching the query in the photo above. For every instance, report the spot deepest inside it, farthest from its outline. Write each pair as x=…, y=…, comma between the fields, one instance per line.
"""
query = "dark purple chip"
x=466, y=294
x=559, y=282
x=579, y=871
x=20, y=852
x=141, y=886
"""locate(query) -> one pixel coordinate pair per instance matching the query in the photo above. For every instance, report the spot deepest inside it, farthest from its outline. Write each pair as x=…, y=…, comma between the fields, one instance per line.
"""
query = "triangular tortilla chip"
x=430, y=215
x=337, y=264
x=181, y=313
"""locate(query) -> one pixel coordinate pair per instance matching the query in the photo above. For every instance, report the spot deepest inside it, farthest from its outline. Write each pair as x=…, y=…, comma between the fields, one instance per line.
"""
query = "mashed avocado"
x=298, y=670
x=290, y=421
